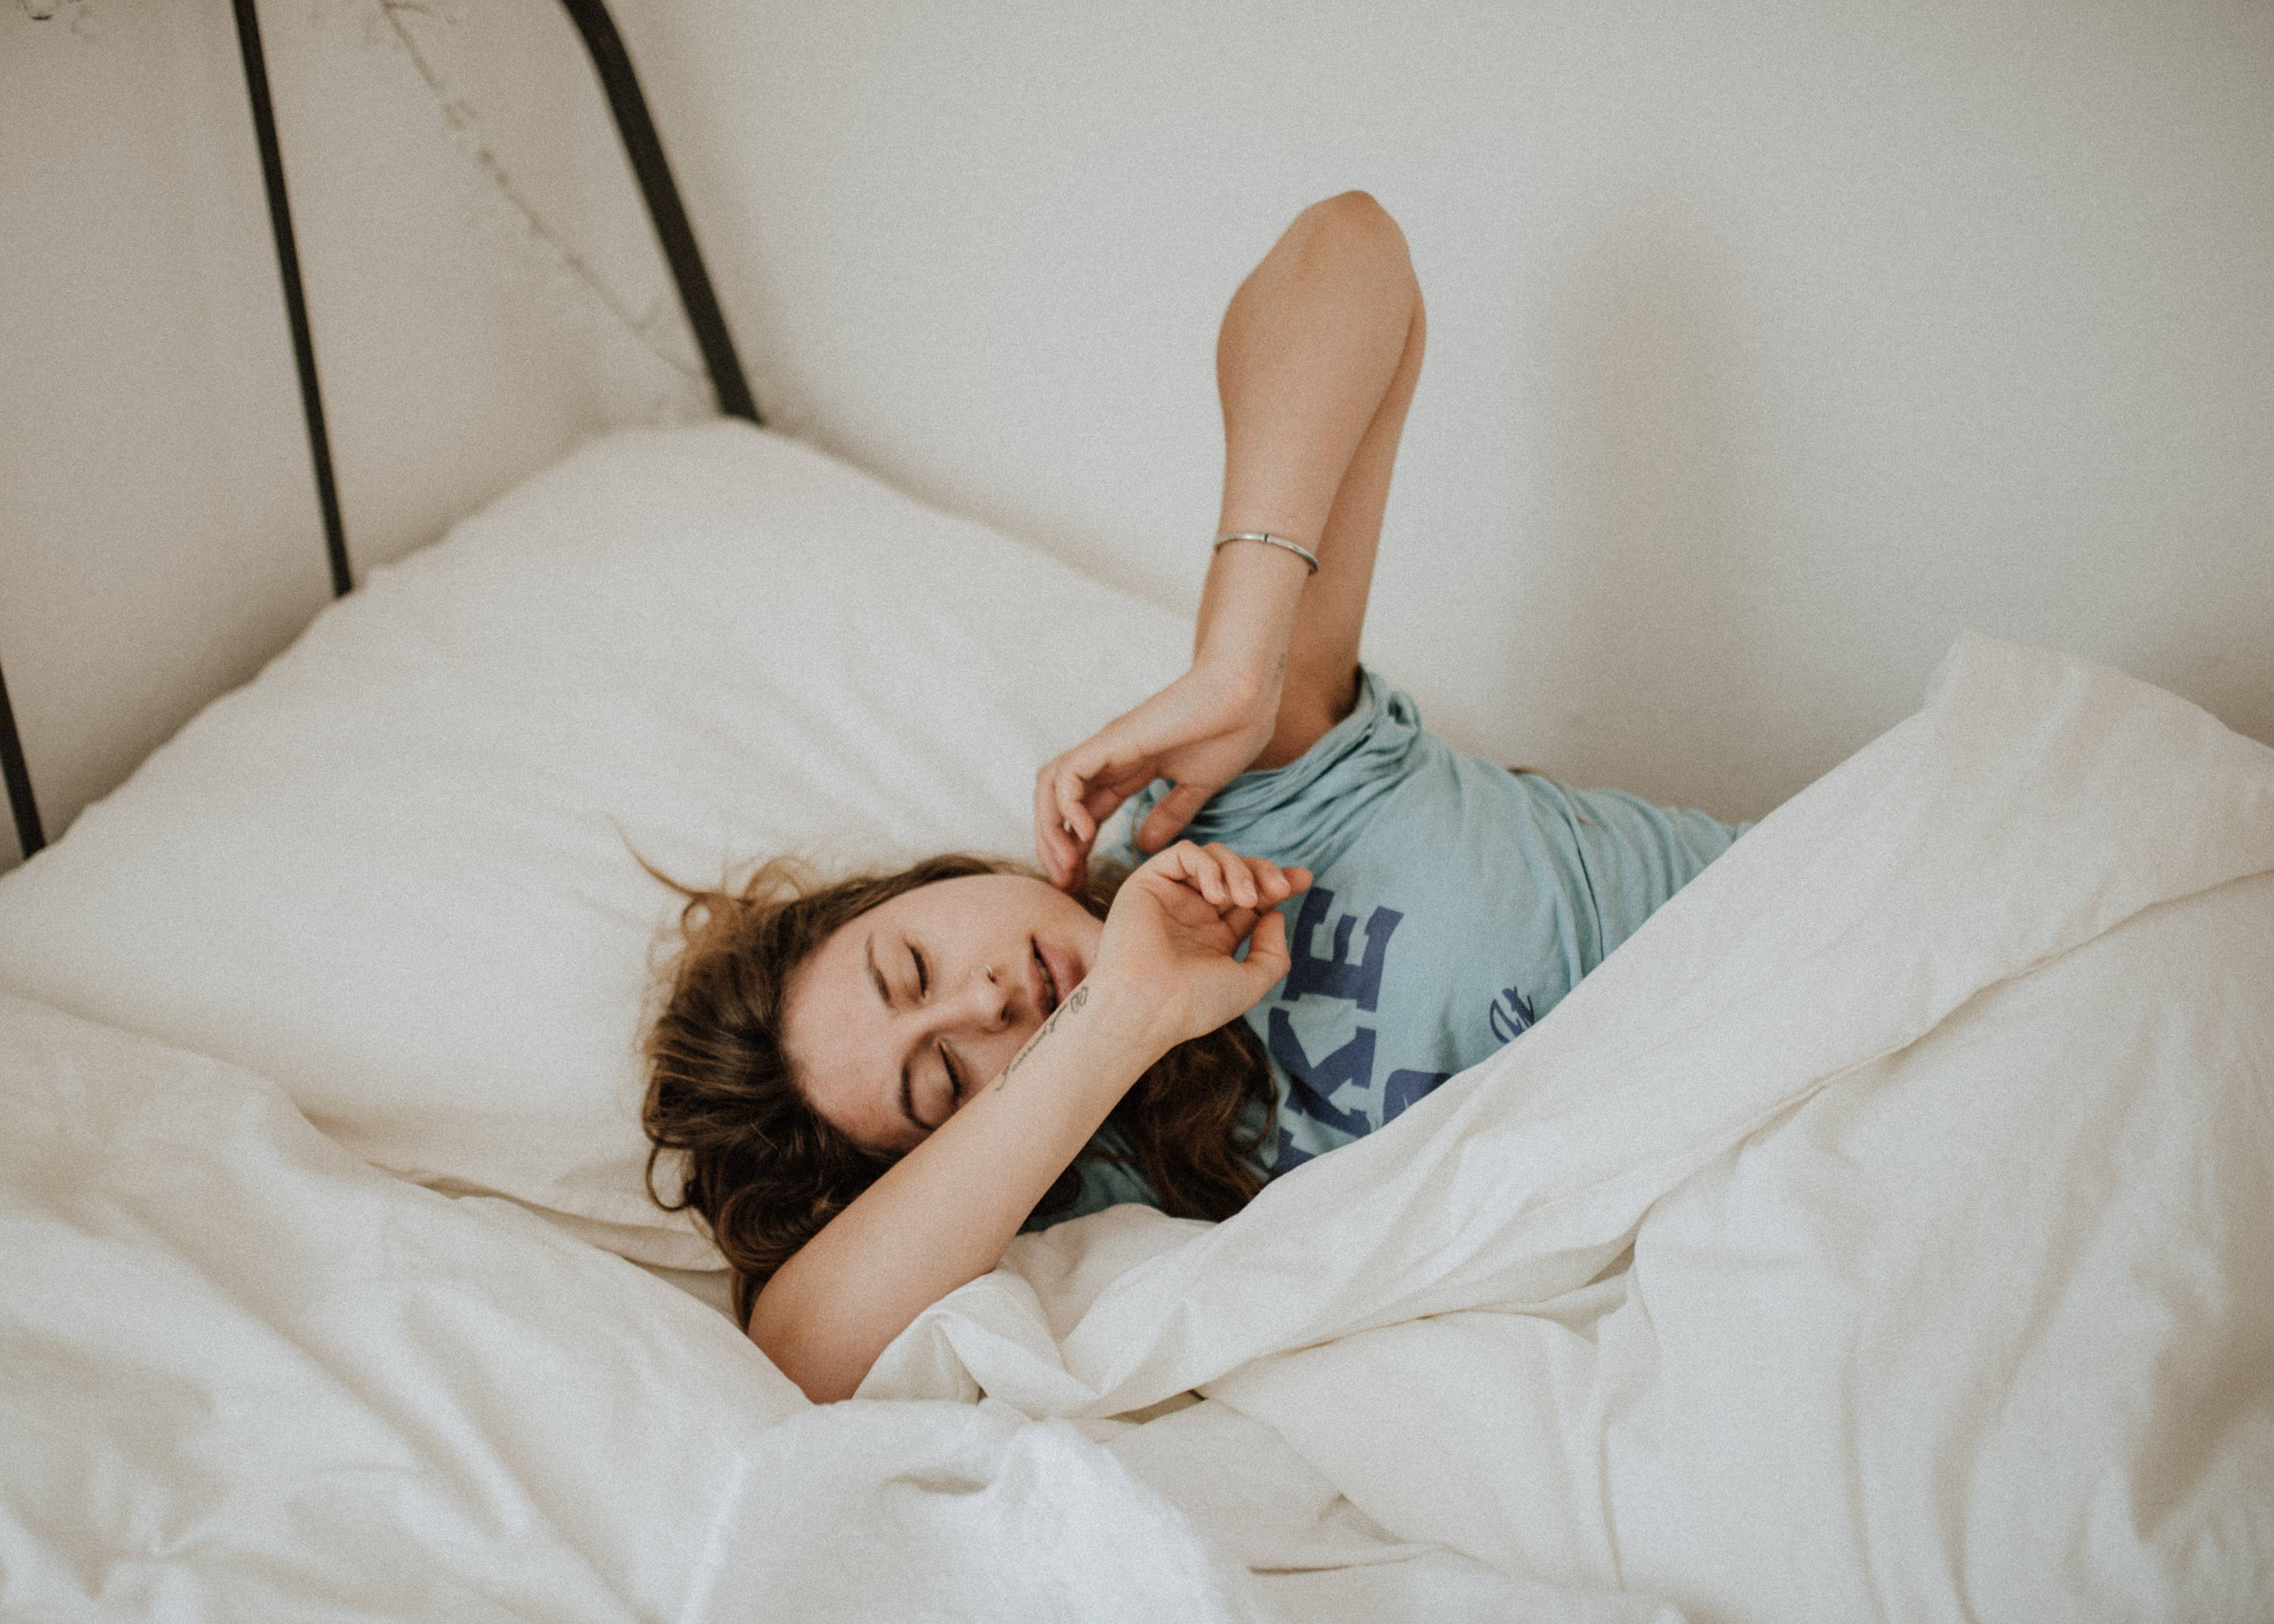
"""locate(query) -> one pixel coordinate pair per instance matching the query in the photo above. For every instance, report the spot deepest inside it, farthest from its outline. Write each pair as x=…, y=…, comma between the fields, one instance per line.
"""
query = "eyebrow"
x=884, y=996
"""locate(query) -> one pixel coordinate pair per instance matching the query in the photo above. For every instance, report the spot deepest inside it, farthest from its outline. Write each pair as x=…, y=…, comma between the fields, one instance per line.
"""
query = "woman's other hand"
x=1202, y=731
x=1176, y=923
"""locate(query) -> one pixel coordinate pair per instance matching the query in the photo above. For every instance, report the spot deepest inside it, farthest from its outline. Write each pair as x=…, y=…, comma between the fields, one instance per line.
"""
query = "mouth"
x=1046, y=992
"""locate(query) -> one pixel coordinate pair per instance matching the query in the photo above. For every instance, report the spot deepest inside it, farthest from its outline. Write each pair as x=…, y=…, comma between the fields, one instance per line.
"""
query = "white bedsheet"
x=1886, y=1231
x=244, y=1376
x=1938, y=1117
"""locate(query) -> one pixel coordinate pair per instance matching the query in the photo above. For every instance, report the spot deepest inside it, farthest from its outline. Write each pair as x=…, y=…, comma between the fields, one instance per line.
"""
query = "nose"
x=988, y=1000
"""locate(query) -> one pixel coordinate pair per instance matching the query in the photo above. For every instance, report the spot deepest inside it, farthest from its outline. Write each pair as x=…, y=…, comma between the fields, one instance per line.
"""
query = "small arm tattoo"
x=1075, y=999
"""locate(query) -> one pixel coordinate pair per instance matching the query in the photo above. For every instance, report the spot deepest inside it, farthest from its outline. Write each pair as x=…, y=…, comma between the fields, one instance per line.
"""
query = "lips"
x=1046, y=986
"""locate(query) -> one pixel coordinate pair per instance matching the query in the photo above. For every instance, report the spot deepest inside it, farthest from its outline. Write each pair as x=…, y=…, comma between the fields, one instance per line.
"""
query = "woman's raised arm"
x=1316, y=362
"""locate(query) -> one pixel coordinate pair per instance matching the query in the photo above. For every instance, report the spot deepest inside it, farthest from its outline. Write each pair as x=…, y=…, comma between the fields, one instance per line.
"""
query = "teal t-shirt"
x=1453, y=904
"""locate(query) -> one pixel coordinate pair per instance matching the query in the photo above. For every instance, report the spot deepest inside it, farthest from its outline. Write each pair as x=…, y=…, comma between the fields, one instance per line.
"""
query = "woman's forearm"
x=1310, y=347
x=1316, y=362
x=942, y=1215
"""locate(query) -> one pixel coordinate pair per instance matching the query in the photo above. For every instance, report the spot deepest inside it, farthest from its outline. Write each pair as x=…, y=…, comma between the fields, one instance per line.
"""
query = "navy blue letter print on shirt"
x=1510, y=1015
x=1312, y=1083
x=1336, y=1090
x=1335, y=976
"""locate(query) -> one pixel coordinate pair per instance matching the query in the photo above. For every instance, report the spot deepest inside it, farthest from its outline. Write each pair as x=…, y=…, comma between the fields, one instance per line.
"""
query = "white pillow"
x=391, y=873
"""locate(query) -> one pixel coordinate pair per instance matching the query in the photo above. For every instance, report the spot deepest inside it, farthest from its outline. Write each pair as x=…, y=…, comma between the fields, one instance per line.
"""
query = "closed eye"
x=923, y=974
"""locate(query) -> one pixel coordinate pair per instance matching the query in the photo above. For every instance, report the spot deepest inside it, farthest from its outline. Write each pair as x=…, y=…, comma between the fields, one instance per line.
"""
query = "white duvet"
x=1885, y=1231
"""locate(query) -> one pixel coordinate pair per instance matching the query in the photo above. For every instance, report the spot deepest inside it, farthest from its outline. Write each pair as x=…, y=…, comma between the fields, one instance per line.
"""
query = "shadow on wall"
x=1661, y=641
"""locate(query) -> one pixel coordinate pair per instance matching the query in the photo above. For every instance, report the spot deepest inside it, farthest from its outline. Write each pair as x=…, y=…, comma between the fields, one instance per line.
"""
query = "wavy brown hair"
x=766, y=1170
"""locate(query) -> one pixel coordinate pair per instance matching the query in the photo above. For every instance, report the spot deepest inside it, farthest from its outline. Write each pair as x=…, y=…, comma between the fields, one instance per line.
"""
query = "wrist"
x=1128, y=1015
x=1242, y=679
x=1246, y=621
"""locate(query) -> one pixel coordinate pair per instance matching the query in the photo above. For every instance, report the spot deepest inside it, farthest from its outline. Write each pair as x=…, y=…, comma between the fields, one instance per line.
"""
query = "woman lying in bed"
x=877, y=1083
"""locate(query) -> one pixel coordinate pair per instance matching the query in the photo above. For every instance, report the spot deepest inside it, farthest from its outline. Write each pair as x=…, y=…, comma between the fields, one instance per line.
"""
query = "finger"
x=1167, y=819
x=1198, y=872
x=1239, y=873
x=1175, y=862
x=1237, y=882
x=1070, y=851
x=1071, y=781
x=1102, y=801
x=1209, y=874
x=1052, y=850
x=1268, y=958
x=1070, y=842
x=1271, y=883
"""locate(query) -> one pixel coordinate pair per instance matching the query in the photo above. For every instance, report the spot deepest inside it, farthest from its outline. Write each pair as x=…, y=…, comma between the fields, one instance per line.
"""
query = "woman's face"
x=907, y=1011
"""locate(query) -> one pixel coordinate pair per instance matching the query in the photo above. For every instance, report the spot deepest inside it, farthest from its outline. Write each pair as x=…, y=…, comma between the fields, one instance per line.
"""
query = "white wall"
x=159, y=532
x=147, y=462
x=1771, y=343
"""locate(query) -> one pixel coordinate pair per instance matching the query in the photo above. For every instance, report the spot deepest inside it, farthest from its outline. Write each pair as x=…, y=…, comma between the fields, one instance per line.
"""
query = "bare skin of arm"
x=1317, y=364
x=942, y=1215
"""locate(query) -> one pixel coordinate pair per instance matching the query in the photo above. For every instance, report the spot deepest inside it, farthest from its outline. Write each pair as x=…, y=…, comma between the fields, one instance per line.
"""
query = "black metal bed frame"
x=673, y=232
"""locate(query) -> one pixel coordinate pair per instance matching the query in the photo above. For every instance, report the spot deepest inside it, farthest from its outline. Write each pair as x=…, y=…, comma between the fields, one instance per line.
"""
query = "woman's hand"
x=1174, y=925
x=1202, y=731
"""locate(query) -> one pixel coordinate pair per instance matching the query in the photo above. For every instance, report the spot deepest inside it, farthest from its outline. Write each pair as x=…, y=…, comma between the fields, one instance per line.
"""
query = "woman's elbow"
x=1356, y=214
x=1353, y=208
x=1352, y=230
x=824, y=1374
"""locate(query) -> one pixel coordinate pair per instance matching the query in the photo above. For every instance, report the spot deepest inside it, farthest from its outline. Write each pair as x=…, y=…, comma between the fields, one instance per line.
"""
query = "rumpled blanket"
x=1886, y=1230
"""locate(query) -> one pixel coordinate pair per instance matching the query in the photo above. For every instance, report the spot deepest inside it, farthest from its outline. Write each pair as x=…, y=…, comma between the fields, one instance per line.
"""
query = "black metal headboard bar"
x=296, y=301
x=29, y=836
x=642, y=146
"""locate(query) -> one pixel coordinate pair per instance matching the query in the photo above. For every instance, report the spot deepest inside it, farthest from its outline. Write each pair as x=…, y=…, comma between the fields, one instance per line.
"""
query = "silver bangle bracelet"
x=1297, y=548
